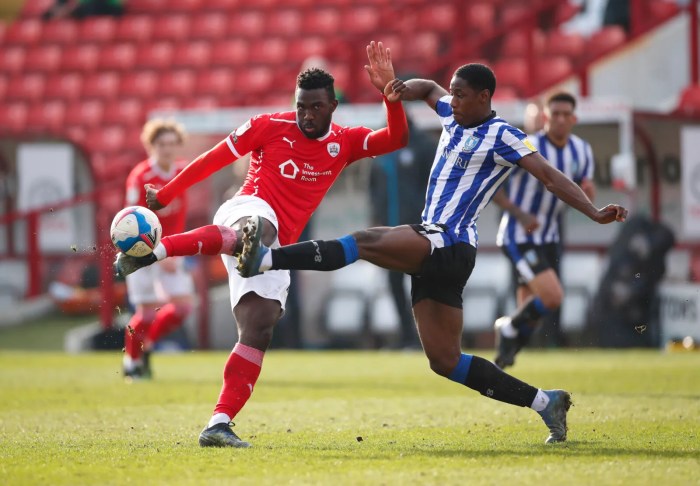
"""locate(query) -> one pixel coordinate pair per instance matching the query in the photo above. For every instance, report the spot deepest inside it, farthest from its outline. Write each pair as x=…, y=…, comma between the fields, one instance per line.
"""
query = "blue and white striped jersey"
x=575, y=160
x=470, y=164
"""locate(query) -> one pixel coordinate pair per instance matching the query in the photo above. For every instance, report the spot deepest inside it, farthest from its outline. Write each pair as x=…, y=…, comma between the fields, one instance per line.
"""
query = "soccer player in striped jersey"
x=476, y=153
x=295, y=158
x=529, y=232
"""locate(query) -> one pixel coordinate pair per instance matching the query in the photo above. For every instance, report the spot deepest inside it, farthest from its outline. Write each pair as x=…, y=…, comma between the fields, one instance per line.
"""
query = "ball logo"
x=333, y=149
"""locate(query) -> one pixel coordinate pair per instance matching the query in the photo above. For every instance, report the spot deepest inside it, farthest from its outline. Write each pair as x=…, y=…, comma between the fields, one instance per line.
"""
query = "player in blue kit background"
x=529, y=233
x=476, y=153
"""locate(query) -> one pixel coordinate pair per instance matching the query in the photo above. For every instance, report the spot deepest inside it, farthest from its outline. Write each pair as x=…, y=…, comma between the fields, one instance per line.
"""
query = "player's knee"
x=442, y=365
x=552, y=298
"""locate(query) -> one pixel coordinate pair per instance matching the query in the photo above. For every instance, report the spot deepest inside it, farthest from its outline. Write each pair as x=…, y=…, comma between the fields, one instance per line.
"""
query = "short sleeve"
x=443, y=108
x=589, y=164
x=248, y=136
x=358, y=138
x=512, y=144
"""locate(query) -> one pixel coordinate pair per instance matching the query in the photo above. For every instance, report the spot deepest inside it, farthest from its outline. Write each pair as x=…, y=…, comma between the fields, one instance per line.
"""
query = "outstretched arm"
x=569, y=192
x=423, y=89
x=197, y=170
x=526, y=220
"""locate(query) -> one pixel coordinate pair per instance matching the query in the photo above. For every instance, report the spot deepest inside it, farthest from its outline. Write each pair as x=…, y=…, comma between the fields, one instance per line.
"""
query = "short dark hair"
x=315, y=78
x=562, y=96
x=478, y=77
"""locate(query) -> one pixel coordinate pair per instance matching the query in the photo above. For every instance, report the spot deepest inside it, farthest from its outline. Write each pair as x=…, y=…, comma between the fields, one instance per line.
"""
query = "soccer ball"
x=136, y=231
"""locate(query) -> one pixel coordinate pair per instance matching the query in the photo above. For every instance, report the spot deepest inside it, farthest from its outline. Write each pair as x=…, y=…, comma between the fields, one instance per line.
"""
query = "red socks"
x=206, y=240
x=136, y=332
x=240, y=374
x=167, y=319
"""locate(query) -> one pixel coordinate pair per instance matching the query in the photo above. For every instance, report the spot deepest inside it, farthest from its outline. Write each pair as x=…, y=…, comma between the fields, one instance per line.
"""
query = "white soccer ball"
x=136, y=231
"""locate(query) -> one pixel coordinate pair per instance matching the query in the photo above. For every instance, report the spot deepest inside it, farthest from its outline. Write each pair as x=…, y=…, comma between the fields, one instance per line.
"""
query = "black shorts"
x=528, y=259
x=444, y=273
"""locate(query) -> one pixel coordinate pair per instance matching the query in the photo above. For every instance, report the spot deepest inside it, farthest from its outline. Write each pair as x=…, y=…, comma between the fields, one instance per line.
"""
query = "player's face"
x=314, y=111
x=559, y=119
x=469, y=106
x=165, y=148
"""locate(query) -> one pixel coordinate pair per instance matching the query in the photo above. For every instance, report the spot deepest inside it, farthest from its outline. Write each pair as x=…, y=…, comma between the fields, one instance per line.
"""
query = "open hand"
x=610, y=213
x=152, y=198
x=380, y=69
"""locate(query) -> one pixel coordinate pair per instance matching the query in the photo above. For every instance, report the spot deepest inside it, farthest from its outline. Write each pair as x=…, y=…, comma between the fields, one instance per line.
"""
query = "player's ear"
x=334, y=104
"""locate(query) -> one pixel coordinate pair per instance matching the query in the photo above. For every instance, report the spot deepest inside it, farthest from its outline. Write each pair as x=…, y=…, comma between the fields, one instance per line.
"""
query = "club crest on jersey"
x=333, y=149
x=470, y=144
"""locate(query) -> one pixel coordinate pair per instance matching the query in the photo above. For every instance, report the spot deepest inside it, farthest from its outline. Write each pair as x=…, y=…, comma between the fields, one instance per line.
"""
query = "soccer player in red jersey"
x=295, y=157
x=162, y=294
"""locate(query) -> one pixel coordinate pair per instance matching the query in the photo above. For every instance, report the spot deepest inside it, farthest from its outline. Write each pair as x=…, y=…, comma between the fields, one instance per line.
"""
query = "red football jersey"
x=291, y=171
x=172, y=217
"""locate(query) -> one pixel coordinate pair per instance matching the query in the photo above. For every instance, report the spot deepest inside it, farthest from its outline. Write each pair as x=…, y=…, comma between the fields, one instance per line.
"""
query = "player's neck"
x=557, y=141
x=164, y=165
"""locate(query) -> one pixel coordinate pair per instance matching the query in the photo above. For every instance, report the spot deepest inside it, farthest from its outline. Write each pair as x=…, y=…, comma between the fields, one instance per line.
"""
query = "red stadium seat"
x=76, y=135
x=209, y=25
x=64, y=86
x=155, y=56
x=187, y=6
x=142, y=84
x=322, y=21
x=515, y=43
x=305, y=47
x=34, y=8
x=562, y=44
x=46, y=116
x=604, y=41
x=438, y=17
x=3, y=31
x=26, y=87
x=203, y=103
x=297, y=4
x=423, y=45
x=284, y=22
x=98, y=29
x=689, y=103
x=163, y=104
x=193, y=55
x=134, y=28
x=103, y=85
x=82, y=58
x=270, y=50
x=4, y=83
x=233, y=52
x=481, y=17
x=45, y=58
x=662, y=10
x=249, y=23
x=177, y=83
x=127, y=111
x=223, y=5
x=218, y=82
x=505, y=93
x=85, y=113
x=60, y=32
x=149, y=6
x=513, y=73
x=120, y=57
x=108, y=139
x=13, y=117
x=553, y=70
x=513, y=13
x=254, y=81
x=361, y=20
x=172, y=27
x=25, y=32
x=565, y=11
x=12, y=59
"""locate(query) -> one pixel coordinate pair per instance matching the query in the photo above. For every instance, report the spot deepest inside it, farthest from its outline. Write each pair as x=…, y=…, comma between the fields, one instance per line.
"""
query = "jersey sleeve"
x=248, y=136
x=368, y=143
x=589, y=165
x=512, y=144
x=135, y=193
x=444, y=111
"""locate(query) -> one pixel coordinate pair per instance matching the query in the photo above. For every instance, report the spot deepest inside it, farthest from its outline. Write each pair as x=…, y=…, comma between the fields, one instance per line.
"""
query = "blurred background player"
x=529, y=233
x=296, y=157
x=396, y=187
x=162, y=293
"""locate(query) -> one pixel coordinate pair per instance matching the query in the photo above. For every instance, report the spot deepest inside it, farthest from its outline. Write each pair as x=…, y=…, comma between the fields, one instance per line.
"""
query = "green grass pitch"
x=72, y=420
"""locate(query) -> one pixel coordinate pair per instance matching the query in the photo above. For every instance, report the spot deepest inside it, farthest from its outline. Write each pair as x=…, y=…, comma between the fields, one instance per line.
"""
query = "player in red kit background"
x=295, y=158
x=161, y=294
